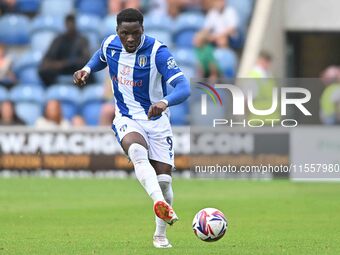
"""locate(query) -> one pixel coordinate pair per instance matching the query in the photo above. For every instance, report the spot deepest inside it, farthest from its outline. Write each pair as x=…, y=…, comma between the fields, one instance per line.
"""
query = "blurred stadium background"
x=55, y=129
x=296, y=38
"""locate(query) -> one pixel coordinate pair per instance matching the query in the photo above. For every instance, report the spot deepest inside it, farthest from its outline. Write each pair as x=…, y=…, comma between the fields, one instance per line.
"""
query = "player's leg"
x=163, y=172
x=161, y=155
x=134, y=140
x=135, y=146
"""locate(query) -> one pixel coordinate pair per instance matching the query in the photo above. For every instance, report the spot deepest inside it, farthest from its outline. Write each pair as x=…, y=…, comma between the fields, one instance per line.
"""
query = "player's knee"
x=137, y=153
x=164, y=181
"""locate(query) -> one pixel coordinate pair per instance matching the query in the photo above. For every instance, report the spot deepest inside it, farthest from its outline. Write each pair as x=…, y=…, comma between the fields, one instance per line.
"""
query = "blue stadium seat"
x=92, y=102
x=30, y=75
x=43, y=30
x=164, y=36
x=93, y=92
x=184, y=56
x=227, y=61
x=26, y=68
x=187, y=24
x=101, y=77
x=109, y=25
x=14, y=29
x=57, y=7
x=33, y=85
x=69, y=97
x=214, y=112
x=237, y=41
x=3, y=94
x=41, y=41
x=153, y=21
x=187, y=61
x=91, y=7
x=47, y=22
x=89, y=26
x=28, y=102
x=28, y=6
x=244, y=9
x=178, y=113
x=65, y=79
x=78, y=2
x=188, y=71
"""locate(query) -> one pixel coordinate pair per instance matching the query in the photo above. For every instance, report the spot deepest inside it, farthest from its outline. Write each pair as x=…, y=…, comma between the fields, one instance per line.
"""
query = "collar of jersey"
x=139, y=46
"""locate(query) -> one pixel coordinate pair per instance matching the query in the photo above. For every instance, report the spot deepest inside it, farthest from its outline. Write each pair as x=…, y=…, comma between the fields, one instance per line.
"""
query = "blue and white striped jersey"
x=139, y=79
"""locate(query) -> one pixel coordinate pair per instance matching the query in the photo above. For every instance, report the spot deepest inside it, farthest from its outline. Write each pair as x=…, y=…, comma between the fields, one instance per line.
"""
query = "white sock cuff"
x=164, y=178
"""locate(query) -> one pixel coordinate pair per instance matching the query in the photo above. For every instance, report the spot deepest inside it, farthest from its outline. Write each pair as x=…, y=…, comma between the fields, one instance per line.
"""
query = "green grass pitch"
x=91, y=216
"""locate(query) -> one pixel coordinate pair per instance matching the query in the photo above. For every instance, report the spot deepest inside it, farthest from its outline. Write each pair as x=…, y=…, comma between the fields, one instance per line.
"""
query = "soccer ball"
x=209, y=224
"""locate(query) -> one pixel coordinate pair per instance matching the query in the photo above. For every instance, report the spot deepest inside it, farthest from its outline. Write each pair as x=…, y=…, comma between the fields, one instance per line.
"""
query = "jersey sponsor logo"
x=112, y=52
x=127, y=82
x=125, y=71
x=142, y=60
x=171, y=63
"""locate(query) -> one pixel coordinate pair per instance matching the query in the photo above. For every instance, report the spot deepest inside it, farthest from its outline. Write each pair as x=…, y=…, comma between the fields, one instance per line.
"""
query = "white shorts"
x=157, y=133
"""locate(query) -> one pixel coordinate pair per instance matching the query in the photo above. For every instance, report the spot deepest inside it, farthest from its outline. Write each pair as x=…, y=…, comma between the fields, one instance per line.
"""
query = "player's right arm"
x=95, y=64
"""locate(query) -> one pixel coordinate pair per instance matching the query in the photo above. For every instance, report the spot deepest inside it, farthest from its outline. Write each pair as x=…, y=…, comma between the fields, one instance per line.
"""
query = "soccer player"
x=140, y=68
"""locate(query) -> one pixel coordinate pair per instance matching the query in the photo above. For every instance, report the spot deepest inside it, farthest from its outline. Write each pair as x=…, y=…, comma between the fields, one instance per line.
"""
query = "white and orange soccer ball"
x=209, y=224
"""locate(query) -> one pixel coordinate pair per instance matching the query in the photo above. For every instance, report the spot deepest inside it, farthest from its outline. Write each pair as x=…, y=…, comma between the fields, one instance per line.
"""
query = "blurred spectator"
x=220, y=24
x=78, y=121
x=6, y=75
x=158, y=7
x=8, y=116
x=330, y=98
x=206, y=5
x=173, y=7
x=261, y=85
x=208, y=67
x=336, y=100
x=115, y=6
x=7, y=6
x=262, y=66
x=107, y=114
x=53, y=116
x=67, y=53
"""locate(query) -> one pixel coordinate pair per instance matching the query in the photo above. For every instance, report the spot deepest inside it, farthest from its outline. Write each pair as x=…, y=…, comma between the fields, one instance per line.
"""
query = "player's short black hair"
x=130, y=15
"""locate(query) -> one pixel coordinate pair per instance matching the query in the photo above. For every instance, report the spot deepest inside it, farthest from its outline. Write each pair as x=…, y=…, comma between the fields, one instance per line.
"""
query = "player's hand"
x=80, y=77
x=156, y=109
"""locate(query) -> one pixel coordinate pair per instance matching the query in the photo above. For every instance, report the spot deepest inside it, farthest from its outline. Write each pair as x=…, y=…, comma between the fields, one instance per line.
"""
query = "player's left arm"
x=167, y=67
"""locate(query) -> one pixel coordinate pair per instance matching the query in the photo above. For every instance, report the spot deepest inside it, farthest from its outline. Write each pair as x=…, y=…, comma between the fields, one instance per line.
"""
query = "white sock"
x=165, y=184
x=144, y=171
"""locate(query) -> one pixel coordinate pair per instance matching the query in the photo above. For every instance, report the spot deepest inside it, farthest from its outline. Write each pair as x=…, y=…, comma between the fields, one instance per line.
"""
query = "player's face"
x=130, y=34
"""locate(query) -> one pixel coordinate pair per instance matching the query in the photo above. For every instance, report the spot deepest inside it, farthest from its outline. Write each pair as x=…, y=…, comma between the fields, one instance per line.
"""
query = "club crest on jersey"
x=112, y=52
x=171, y=63
x=142, y=60
x=123, y=128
